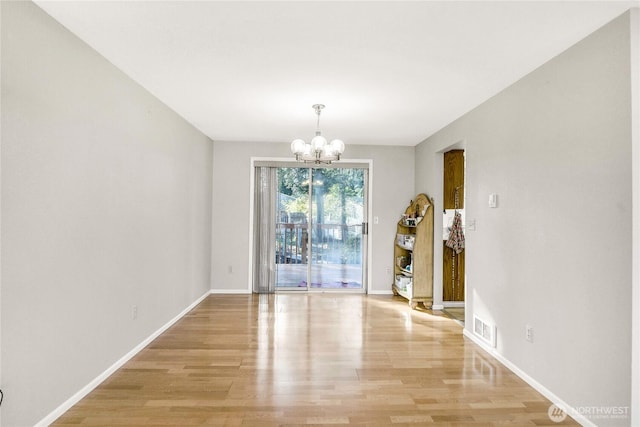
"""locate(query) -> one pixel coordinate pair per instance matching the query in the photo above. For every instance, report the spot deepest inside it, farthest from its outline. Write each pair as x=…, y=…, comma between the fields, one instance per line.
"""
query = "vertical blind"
x=265, y=210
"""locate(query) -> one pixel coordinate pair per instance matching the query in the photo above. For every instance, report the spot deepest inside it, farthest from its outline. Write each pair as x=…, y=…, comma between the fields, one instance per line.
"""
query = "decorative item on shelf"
x=319, y=151
x=403, y=282
x=411, y=220
x=406, y=241
x=403, y=261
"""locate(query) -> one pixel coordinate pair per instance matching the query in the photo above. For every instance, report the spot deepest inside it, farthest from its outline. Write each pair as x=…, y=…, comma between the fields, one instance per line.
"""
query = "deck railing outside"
x=331, y=244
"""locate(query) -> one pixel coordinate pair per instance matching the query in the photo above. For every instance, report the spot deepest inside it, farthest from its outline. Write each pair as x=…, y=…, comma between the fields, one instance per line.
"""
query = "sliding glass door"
x=320, y=228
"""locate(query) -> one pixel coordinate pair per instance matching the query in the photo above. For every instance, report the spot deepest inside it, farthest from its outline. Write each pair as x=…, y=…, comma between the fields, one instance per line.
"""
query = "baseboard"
x=383, y=292
x=244, y=291
x=230, y=291
x=526, y=378
x=56, y=413
x=437, y=307
x=453, y=304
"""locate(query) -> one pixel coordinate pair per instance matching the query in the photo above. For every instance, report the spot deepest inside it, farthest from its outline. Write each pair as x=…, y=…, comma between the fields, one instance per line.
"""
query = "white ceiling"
x=389, y=72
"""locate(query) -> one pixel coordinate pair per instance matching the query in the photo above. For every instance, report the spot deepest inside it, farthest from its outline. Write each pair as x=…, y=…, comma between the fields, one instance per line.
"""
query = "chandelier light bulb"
x=297, y=146
x=318, y=143
x=327, y=151
x=337, y=146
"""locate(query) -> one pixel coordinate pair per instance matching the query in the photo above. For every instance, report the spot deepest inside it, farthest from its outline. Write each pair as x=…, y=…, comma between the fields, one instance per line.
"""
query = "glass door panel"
x=292, y=241
x=337, y=214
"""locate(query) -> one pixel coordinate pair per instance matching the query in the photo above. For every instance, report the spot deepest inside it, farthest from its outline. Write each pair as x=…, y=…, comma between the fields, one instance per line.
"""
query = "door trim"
x=438, y=194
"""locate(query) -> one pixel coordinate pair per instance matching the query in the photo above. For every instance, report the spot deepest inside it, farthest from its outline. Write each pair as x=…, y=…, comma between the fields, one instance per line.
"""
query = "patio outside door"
x=320, y=235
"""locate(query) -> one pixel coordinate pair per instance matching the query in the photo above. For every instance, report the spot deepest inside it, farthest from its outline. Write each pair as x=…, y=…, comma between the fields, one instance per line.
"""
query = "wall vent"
x=485, y=331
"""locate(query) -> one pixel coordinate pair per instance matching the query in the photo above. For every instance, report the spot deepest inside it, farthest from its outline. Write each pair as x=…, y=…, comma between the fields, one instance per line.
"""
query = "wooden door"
x=453, y=264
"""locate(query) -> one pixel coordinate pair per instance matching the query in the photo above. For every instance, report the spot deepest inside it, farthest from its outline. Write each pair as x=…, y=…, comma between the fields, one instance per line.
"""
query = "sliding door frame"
x=288, y=162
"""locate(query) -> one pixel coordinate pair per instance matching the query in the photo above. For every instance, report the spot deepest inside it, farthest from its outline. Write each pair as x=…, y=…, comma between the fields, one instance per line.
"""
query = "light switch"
x=493, y=200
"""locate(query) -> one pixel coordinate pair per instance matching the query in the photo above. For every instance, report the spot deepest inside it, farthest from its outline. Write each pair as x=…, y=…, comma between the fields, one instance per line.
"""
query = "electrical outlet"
x=528, y=330
x=493, y=200
x=134, y=312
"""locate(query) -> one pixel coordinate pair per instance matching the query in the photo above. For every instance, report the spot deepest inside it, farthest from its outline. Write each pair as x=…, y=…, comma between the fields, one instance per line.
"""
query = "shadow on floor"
x=456, y=313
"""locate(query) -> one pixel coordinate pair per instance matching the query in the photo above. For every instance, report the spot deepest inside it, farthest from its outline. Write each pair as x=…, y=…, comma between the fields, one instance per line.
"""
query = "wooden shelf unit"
x=420, y=255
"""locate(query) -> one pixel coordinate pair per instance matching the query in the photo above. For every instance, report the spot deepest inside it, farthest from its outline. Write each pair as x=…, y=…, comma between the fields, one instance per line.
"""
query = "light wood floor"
x=301, y=359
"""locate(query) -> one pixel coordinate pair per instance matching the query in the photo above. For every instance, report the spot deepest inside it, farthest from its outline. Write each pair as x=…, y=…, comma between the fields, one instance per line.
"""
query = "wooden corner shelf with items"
x=413, y=253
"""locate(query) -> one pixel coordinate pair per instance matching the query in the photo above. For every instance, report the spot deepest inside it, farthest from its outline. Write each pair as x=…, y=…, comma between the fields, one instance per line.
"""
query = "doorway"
x=316, y=238
x=453, y=263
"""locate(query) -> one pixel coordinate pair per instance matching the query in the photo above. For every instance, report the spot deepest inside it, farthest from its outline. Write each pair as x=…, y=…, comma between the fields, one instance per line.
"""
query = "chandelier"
x=318, y=150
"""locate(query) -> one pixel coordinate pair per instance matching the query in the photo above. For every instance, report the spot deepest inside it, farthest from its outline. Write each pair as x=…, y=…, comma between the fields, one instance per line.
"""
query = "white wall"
x=106, y=204
x=393, y=188
x=556, y=253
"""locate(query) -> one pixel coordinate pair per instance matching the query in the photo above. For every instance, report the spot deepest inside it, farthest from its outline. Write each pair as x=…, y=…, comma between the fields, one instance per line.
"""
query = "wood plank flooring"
x=311, y=359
